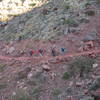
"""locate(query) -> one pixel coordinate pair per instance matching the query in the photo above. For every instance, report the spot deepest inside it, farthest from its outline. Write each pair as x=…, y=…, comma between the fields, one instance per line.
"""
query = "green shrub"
x=95, y=85
x=36, y=92
x=87, y=4
x=15, y=15
x=81, y=65
x=66, y=76
x=32, y=4
x=3, y=86
x=98, y=1
x=37, y=79
x=71, y=22
x=67, y=6
x=23, y=1
x=2, y=66
x=23, y=73
x=8, y=37
x=90, y=13
x=56, y=92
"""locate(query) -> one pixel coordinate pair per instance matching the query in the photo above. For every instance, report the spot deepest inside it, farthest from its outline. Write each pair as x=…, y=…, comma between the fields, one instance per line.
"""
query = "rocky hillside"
x=69, y=27
x=53, y=18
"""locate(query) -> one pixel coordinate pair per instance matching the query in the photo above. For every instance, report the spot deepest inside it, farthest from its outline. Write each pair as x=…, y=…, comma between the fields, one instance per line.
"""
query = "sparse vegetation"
x=32, y=82
x=98, y=1
x=30, y=30
x=37, y=79
x=22, y=0
x=36, y=92
x=3, y=86
x=71, y=22
x=32, y=4
x=2, y=66
x=81, y=65
x=15, y=15
x=8, y=37
x=23, y=74
x=56, y=92
x=90, y=13
x=66, y=76
x=84, y=20
x=21, y=94
x=67, y=6
x=87, y=4
x=95, y=85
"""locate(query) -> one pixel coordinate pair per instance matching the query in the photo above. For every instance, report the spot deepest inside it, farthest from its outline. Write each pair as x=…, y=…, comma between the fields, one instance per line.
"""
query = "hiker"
x=62, y=50
x=40, y=51
x=31, y=52
x=53, y=52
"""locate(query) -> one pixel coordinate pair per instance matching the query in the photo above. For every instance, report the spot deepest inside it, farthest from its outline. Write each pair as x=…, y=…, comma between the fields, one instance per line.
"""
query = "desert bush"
x=23, y=1
x=21, y=94
x=36, y=92
x=66, y=6
x=72, y=3
x=32, y=4
x=8, y=37
x=71, y=22
x=80, y=65
x=98, y=1
x=23, y=73
x=66, y=76
x=90, y=13
x=87, y=4
x=37, y=79
x=2, y=66
x=95, y=85
x=56, y=91
x=3, y=86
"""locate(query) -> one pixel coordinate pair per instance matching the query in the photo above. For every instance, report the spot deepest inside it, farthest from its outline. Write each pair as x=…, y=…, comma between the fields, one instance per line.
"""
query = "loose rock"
x=46, y=67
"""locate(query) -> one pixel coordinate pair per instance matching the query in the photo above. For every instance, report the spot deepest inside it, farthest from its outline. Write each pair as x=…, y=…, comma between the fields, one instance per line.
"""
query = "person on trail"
x=41, y=52
x=62, y=50
x=31, y=52
x=53, y=52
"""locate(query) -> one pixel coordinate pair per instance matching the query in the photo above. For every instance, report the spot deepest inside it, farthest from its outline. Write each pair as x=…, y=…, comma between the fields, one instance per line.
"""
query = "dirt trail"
x=44, y=58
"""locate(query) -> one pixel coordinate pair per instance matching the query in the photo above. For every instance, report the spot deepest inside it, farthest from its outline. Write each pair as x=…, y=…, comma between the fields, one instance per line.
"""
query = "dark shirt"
x=53, y=52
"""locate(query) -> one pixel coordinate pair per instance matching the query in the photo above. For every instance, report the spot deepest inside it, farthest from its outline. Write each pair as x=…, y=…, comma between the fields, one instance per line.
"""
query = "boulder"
x=88, y=38
x=10, y=50
x=92, y=36
x=46, y=67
